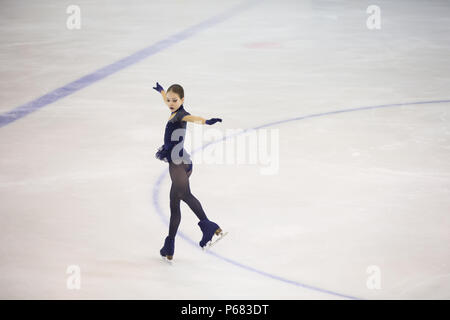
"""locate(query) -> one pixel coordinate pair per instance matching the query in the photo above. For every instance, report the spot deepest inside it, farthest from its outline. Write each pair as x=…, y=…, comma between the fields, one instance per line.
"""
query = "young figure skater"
x=180, y=168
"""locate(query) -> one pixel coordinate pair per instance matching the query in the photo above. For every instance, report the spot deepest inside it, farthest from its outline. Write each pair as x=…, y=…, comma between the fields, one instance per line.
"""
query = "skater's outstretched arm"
x=194, y=119
x=200, y=120
x=160, y=89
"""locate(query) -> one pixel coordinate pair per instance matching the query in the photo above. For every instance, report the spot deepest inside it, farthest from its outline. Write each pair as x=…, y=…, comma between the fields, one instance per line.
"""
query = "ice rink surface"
x=358, y=206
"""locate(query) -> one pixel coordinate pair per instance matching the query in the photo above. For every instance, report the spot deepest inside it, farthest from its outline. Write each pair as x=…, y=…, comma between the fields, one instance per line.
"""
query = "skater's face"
x=174, y=101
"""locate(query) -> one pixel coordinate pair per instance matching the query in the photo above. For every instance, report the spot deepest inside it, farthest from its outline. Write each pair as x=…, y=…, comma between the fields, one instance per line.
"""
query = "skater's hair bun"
x=176, y=88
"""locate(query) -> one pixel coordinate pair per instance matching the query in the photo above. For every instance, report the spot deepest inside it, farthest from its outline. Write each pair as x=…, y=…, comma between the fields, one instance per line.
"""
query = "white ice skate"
x=218, y=235
x=167, y=260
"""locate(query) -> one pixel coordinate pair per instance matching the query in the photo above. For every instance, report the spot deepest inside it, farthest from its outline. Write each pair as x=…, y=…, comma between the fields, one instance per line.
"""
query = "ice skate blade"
x=219, y=235
x=167, y=259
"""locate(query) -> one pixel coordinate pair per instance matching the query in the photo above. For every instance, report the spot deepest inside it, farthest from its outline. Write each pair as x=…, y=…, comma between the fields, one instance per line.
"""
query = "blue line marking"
x=156, y=191
x=83, y=82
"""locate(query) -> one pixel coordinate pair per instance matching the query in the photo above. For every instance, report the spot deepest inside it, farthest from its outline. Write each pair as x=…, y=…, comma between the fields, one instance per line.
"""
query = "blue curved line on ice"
x=157, y=185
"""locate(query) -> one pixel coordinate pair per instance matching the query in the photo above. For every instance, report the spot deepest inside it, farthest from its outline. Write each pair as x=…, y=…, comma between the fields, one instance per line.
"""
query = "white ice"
x=353, y=190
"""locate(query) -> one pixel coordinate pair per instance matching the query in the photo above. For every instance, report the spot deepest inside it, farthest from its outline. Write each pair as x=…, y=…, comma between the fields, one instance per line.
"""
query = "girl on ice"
x=180, y=168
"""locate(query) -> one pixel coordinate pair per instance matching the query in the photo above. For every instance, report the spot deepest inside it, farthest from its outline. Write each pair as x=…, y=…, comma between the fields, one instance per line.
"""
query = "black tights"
x=180, y=191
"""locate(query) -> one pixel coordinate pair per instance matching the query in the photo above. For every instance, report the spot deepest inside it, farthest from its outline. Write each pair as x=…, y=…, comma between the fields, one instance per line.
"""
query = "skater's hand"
x=158, y=87
x=212, y=121
x=162, y=154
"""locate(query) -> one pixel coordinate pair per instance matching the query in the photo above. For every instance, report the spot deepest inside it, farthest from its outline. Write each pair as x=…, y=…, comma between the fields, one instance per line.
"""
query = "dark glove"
x=213, y=120
x=162, y=154
x=158, y=87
